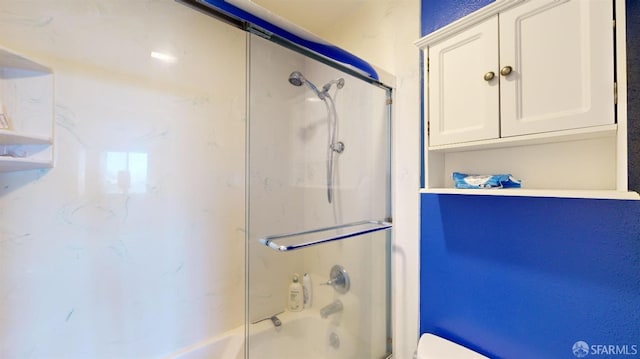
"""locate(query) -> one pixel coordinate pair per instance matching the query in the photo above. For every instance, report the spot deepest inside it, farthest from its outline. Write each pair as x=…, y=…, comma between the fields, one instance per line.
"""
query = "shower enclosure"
x=192, y=179
x=318, y=204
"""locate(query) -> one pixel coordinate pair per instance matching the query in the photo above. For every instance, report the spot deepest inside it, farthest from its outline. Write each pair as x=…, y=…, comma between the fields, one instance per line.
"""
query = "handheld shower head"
x=297, y=79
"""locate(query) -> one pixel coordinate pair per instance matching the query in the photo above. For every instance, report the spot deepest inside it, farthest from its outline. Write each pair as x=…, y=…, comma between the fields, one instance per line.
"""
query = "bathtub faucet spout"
x=276, y=322
x=332, y=308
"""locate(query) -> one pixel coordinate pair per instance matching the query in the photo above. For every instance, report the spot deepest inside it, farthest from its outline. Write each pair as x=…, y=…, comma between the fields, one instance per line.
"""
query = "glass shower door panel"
x=318, y=154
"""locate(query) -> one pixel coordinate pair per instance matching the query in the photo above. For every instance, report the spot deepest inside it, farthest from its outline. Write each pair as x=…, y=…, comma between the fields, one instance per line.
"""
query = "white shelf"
x=26, y=95
x=10, y=164
x=8, y=137
x=522, y=192
x=11, y=60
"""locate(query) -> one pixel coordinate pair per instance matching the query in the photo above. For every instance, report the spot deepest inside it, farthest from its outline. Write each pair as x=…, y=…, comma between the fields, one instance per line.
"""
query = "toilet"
x=433, y=347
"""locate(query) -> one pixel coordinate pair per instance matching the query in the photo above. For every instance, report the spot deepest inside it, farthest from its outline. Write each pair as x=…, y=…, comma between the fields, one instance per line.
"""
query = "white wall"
x=93, y=265
x=382, y=32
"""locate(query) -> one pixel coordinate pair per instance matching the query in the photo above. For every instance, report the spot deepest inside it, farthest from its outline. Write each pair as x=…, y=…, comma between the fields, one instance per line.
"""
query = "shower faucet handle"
x=333, y=281
x=339, y=279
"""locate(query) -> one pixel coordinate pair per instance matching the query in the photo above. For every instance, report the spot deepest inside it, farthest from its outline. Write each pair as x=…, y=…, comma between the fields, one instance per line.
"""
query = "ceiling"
x=313, y=15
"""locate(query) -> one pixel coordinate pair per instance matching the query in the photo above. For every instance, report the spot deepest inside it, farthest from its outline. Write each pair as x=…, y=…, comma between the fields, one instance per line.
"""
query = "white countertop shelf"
x=523, y=192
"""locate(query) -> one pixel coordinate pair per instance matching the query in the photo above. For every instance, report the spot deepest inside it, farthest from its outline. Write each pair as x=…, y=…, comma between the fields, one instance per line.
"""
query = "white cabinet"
x=561, y=53
x=26, y=102
x=538, y=67
x=528, y=88
x=462, y=105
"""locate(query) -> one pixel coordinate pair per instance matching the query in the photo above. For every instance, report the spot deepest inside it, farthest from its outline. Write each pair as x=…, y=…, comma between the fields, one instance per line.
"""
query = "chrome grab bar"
x=336, y=233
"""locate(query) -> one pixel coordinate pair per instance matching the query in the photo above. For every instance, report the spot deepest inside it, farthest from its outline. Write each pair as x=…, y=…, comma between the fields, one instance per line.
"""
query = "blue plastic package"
x=462, y=180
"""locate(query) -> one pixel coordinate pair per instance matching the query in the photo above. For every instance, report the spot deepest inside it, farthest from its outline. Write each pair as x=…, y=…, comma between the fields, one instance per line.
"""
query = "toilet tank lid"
x=433, y=347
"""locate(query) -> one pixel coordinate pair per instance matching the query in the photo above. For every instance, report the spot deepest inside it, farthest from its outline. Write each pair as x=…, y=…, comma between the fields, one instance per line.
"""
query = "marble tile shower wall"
x=133, y=245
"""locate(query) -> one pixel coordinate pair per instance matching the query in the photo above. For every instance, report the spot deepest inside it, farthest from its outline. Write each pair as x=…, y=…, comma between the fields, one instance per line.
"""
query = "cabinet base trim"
x=534, y=139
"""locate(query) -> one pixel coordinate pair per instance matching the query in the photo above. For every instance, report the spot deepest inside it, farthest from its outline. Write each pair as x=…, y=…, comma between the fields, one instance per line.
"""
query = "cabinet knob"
x=506, y=70
x=489, y=76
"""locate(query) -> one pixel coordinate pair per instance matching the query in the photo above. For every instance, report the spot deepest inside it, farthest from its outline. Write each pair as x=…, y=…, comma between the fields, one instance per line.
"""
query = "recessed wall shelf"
x=14, y=138
x=10, y=164
x=26, y=100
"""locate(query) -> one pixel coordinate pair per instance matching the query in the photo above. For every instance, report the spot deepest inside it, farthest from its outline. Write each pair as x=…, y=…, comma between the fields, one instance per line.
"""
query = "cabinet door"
x=561, y=53
x=463, y=106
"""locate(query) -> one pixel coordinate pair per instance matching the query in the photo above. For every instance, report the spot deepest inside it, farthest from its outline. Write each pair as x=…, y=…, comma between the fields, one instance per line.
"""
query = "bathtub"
x=301, y=335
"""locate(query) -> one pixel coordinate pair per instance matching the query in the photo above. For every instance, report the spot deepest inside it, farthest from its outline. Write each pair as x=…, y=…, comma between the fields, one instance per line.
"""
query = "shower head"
x=297, y=79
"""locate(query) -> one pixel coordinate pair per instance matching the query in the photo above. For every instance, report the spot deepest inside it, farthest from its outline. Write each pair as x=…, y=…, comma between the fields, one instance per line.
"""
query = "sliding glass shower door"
x=318, y=209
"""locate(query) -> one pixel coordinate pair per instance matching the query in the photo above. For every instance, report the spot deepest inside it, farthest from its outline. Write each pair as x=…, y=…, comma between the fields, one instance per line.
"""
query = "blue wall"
x=528, y=277
x=633, y=89
x=516, y=277
x=438, y=13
